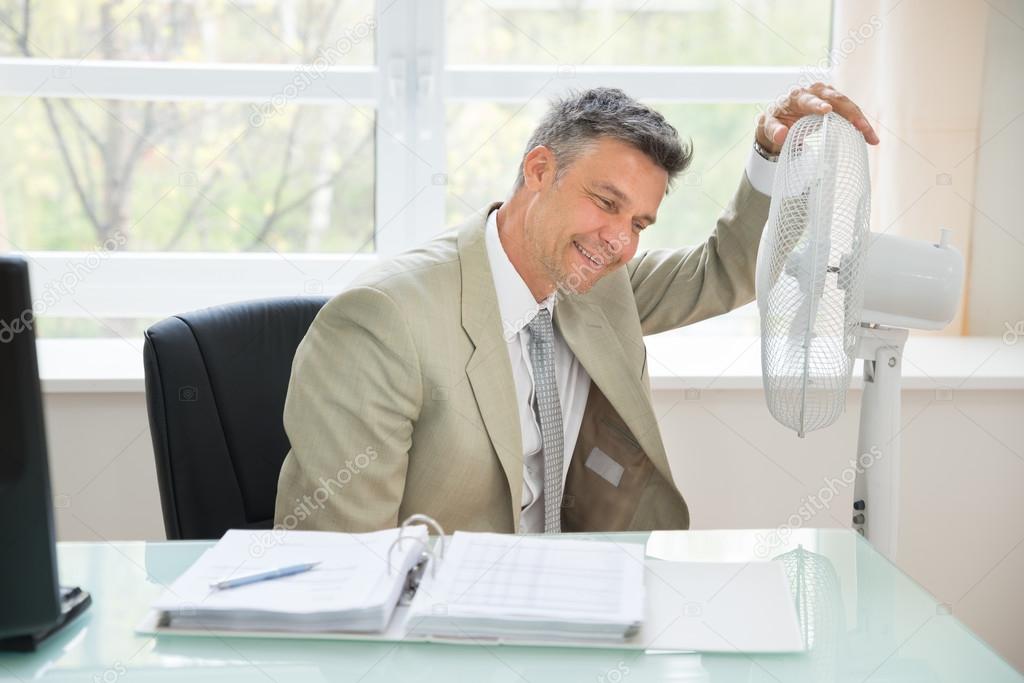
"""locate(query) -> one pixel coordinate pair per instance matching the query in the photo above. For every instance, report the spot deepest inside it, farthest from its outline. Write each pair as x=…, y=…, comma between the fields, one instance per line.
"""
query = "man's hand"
x=820, y=98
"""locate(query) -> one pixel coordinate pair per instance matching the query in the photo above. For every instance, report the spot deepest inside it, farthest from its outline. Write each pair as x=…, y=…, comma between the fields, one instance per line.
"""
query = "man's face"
x=588, y=224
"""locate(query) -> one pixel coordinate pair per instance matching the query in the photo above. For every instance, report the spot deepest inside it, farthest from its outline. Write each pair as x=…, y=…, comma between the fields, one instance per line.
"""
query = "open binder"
x=401, y=585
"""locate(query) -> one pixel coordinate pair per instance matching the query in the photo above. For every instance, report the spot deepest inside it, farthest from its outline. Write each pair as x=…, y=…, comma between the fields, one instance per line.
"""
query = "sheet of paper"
x=353, y=573
x=719, y=607
x=501, y=576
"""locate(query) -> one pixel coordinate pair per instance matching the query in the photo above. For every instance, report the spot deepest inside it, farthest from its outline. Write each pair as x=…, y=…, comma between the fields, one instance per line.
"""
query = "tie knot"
x=541, y=322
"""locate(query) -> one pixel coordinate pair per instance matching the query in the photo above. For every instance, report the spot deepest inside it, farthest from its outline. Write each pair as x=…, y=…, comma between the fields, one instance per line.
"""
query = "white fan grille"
x=809, y=288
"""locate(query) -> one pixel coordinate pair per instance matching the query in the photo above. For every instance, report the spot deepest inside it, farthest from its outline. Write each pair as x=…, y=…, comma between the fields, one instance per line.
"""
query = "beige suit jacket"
x=401, y=397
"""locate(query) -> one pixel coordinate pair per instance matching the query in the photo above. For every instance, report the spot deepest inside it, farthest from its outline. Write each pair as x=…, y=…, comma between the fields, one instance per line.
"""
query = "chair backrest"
x=216, y=382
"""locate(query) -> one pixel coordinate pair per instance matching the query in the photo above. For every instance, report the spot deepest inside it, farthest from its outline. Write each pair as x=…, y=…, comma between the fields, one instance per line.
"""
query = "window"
x=171, y=155
x=639, y=33
x=198, y=31
x=186, y=176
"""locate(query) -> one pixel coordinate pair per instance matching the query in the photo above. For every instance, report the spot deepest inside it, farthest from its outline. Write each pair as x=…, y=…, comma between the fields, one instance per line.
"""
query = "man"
x=496, y=377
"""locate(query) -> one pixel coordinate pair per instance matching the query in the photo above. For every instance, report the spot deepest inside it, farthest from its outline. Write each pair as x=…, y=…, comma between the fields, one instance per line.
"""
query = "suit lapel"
x=489, y=370
x=585, y=328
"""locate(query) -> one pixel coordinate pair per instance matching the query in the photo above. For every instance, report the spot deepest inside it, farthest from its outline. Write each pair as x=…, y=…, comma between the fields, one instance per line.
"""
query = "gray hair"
x=574, y=123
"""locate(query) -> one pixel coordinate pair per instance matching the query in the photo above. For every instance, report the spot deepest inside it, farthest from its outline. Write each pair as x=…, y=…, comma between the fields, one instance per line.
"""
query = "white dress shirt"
x=518, y=308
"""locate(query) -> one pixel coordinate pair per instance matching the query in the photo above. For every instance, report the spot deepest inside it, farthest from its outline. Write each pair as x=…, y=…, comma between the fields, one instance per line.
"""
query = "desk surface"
x=869, y=622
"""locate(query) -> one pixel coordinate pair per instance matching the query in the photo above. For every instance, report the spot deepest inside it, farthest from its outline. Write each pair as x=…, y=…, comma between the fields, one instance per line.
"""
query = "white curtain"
x=916, y=69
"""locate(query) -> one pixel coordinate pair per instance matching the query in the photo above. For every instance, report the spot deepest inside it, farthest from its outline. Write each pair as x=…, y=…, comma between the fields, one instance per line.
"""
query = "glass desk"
x=865, y=619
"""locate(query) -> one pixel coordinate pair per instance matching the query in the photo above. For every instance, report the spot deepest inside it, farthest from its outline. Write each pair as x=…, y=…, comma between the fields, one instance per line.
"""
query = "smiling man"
x=496, y=377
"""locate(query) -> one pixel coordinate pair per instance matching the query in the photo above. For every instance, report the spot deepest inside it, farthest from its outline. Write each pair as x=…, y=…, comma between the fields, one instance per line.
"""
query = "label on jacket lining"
x=602, y=465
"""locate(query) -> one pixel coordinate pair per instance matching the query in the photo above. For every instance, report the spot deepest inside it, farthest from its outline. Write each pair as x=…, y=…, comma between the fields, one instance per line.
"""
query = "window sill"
x=677, y=361
x=87, y=366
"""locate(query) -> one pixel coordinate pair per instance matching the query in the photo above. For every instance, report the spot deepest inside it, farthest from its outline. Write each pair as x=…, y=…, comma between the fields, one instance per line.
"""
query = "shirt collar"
x=515, y=302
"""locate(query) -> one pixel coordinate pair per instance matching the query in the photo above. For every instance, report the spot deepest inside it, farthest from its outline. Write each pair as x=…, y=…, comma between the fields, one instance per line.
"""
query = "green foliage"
x=638, y=32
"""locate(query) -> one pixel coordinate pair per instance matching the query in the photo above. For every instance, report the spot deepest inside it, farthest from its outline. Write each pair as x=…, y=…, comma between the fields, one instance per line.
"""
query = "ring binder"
x=488, y=588
x=415, y=575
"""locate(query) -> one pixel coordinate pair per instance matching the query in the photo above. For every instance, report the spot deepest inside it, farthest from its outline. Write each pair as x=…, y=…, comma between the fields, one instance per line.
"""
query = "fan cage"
x=810, y=289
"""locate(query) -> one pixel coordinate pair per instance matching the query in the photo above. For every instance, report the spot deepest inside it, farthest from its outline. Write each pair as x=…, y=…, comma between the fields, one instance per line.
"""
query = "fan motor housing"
x=911, y=283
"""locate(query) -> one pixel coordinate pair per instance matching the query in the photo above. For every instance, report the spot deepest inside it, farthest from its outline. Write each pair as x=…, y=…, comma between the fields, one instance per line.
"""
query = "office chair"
x=216, y=381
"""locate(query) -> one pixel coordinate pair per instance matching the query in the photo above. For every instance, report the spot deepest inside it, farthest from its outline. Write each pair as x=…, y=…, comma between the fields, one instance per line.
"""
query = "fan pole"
x=876, y=504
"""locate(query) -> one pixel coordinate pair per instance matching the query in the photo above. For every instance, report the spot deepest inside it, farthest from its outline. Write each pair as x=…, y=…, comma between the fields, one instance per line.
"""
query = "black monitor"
x=34, y=605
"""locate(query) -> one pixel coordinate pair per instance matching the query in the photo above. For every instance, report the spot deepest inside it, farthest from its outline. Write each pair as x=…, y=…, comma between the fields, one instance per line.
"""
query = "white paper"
x=735, y=607
x=495, y=584
x=352, y=576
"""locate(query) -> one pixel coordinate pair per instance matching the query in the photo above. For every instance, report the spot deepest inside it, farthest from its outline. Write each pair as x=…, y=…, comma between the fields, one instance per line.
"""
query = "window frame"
x=406, y=91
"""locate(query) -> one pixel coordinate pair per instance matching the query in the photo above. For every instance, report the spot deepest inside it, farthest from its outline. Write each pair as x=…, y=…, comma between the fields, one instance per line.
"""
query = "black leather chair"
x=216, y=381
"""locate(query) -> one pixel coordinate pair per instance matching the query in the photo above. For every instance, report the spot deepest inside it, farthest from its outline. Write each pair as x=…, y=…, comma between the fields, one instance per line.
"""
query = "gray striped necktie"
x=542, y=356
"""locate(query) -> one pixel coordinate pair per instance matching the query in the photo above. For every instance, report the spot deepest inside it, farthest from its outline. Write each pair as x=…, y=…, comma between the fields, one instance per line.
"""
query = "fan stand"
x=876, y=504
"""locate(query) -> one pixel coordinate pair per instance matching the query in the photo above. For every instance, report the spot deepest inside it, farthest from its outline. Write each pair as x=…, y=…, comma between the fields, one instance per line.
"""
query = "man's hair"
x=574, y=123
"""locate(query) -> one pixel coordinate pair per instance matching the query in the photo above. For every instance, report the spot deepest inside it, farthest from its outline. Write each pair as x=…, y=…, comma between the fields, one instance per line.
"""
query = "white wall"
x=103, y=475
x=963, y=470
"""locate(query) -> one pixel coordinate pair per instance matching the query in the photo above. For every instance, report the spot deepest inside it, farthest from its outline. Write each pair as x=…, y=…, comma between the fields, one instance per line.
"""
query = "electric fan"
x=829, y=292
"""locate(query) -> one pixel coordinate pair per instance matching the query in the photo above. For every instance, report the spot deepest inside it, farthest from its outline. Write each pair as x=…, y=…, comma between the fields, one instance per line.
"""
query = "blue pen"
x=265, y=575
